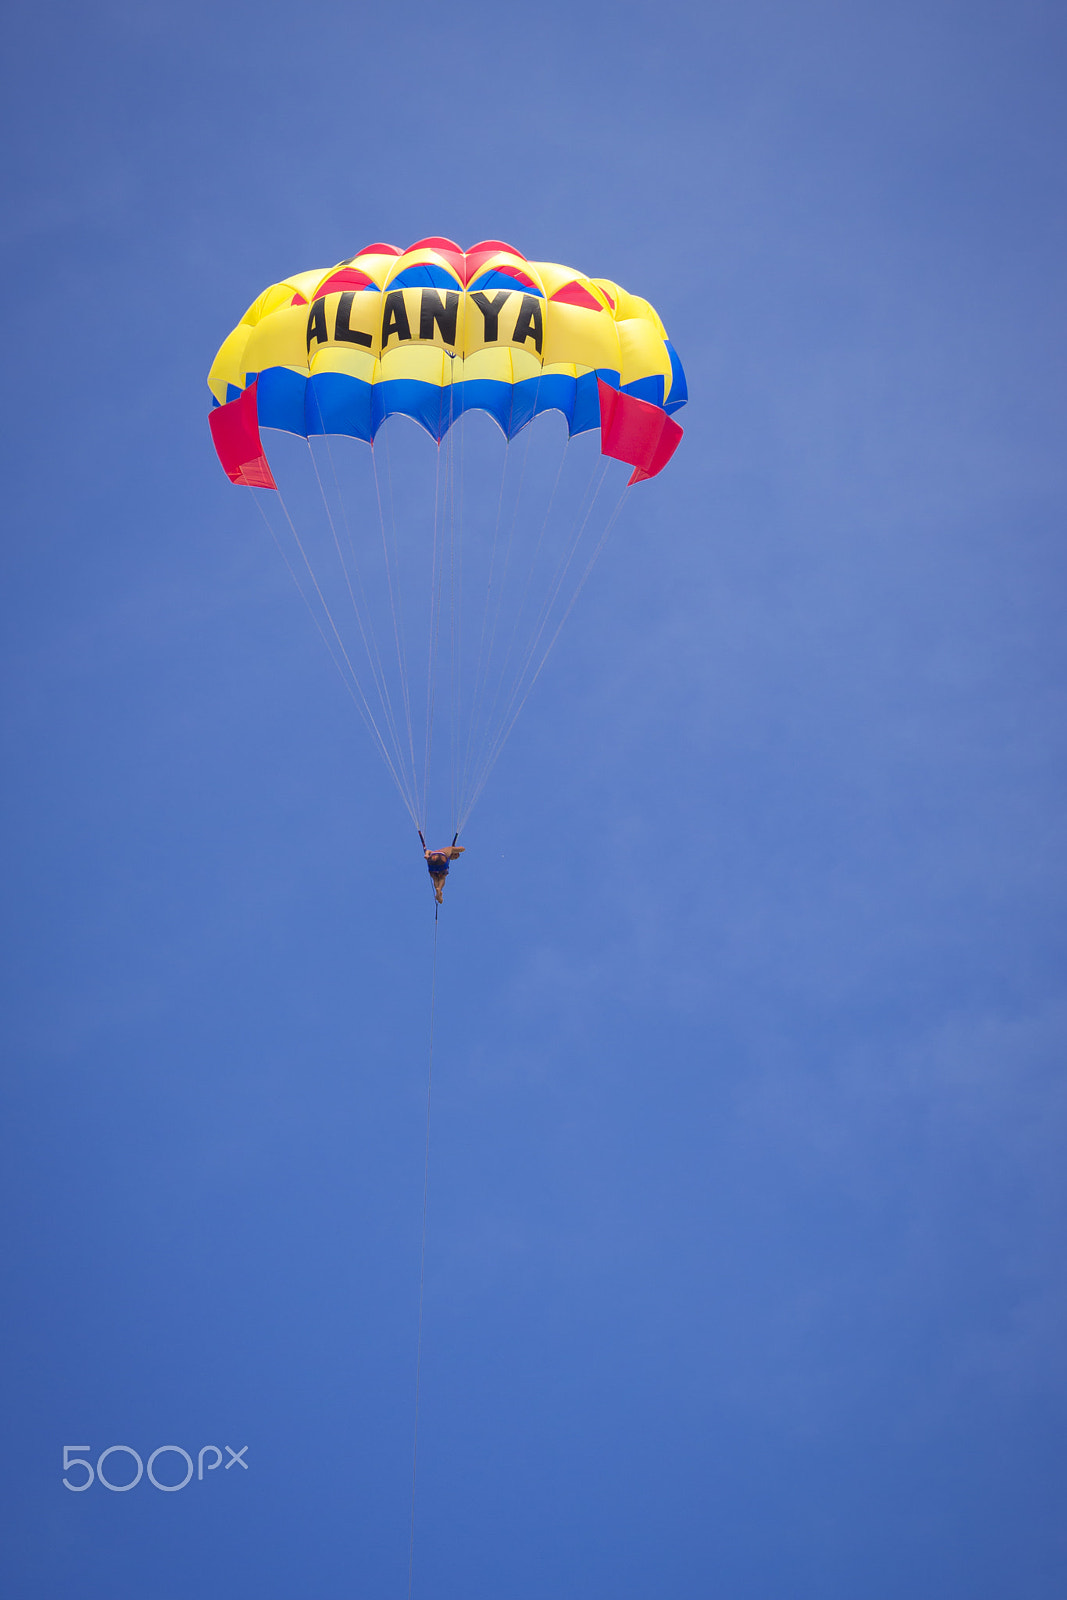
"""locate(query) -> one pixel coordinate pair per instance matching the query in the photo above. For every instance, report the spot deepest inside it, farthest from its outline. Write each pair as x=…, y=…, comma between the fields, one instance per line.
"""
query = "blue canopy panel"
x=650, y=389
x=505, y=280
x=679, y=392
x=336, y=402
x=424, y=275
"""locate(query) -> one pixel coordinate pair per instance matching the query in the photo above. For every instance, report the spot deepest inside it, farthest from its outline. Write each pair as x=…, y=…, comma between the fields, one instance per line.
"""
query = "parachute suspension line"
x=458, y=458
x=437, y=578
x=455, y=599
x=377, y=674
x=394, y=597
x=491, y=678
x=477, y=777
x=374, y=657
x=373, y=654
x=482, y=664
x=507, y=727
x=403, y=645
x=501, y=677
x=511, y=716
x=586, y=507
x=432, y=646
x=533, y=560
x=422, y=1262
x=350, y=681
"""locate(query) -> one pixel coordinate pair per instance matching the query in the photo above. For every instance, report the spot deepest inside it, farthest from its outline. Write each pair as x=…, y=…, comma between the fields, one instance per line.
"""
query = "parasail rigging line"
x=479, y=746
x=501, y=588
x=436, y=588
x=509, y=724
x=350, y=680
x=394, y=592
x=361, y=610
x=453, y=625
x=523, y=686
x=435, y=623
x=506, y=730
x=422, y=1261
x=586, y=507
x=366, y=630
x=533, y=559
x=491, y=743
x=458, y=484
x=482, y=666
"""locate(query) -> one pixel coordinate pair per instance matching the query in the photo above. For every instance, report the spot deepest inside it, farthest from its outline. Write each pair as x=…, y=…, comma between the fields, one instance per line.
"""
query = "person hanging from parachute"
x=438, y=863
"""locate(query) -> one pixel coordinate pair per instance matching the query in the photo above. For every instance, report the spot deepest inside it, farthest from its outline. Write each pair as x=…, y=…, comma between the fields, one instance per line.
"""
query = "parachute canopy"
x=441, y=563
x=434, y=331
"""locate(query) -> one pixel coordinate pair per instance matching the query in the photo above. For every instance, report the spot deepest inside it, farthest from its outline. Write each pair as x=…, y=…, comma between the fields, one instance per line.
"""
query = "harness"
x=437, y=861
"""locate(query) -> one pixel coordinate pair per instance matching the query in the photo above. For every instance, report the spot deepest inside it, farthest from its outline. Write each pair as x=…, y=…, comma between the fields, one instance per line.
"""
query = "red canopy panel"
x=635, y=431
x=235, y=431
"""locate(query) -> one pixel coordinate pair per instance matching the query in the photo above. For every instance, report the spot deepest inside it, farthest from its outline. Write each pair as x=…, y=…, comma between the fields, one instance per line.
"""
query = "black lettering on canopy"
x=443, y=312
x=317, y=323
x=529, y=322
x=342, y=329
x=395, y=317
x=490, y=310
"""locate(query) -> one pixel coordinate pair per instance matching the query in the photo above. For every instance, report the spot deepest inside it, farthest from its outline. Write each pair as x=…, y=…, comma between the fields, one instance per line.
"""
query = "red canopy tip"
x=487, y=246
x=449, y=246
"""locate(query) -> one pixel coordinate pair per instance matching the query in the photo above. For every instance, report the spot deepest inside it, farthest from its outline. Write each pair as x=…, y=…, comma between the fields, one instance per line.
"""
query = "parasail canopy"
x=456, y=561
x=433, y=331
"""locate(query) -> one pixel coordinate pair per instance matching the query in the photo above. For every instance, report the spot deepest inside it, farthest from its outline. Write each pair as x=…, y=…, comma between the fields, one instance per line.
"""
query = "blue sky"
x=745, y=1250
